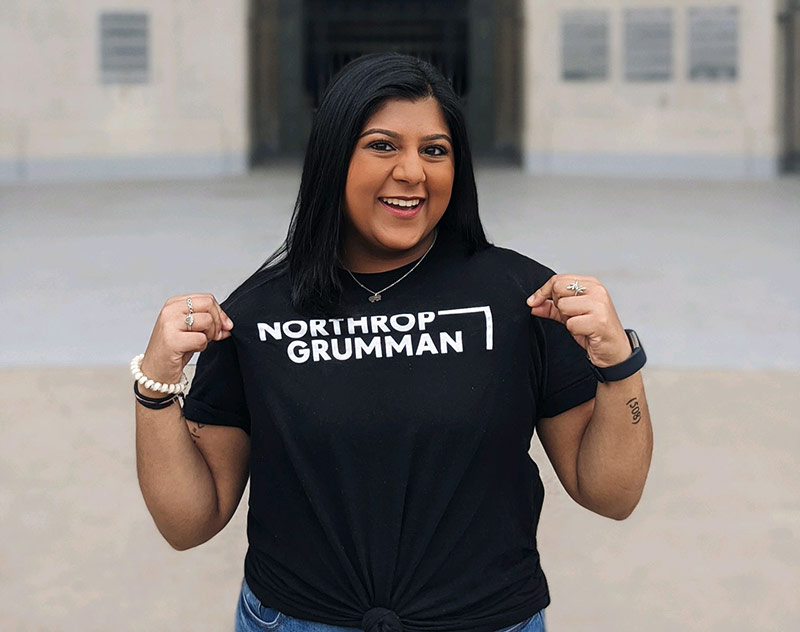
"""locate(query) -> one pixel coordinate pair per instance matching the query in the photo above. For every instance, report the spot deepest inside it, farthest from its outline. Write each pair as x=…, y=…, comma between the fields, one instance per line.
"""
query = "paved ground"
x=706, y=272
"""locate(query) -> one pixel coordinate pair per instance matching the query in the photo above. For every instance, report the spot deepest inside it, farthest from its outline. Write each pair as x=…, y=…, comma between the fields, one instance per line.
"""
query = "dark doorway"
x=298, y=45
x=338, y=31
x=791, y=24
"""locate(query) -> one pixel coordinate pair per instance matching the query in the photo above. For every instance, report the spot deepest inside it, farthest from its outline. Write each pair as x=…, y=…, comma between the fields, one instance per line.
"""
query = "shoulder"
x=272, y=282
x=512, y=266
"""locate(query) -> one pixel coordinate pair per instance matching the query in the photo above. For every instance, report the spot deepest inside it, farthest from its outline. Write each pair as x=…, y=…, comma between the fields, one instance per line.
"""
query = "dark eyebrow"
x=376, y=130
x=438, y=137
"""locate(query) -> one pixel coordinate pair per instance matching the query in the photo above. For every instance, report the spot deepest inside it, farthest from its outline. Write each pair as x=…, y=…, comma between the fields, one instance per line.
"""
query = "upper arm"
x=561, y=437
x=226, y=450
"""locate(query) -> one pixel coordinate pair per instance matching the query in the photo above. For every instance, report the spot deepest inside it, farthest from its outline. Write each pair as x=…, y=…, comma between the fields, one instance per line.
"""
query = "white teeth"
x=398, y=202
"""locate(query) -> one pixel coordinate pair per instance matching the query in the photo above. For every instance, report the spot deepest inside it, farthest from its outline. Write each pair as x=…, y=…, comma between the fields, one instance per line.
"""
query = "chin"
x=401, y=239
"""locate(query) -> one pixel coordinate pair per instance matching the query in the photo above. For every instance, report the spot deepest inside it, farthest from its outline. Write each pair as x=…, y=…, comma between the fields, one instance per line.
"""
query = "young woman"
x=380, y=378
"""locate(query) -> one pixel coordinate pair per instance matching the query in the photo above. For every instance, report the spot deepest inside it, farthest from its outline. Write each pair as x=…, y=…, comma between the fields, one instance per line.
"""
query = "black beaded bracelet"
x=153, y=403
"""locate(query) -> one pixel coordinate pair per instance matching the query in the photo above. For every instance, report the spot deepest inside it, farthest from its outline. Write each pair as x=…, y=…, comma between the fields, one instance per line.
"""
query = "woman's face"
x=398, y=185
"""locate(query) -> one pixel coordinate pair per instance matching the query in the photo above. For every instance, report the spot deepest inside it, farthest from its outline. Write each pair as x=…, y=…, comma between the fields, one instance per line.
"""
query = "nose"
x=409, y=168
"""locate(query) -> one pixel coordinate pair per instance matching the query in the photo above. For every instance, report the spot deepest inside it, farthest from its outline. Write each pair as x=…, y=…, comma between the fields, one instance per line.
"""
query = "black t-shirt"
x=389, y=458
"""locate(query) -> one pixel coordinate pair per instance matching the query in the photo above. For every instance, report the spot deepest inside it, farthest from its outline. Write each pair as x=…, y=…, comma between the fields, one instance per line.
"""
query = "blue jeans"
x=253, y=616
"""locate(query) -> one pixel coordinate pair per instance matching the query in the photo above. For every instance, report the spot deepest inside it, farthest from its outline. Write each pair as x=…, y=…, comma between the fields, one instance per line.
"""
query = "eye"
x=381, y=145
x=436, y=150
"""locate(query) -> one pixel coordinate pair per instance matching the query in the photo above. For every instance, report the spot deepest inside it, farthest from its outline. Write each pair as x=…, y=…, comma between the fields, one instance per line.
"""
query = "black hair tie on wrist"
x=153, y=403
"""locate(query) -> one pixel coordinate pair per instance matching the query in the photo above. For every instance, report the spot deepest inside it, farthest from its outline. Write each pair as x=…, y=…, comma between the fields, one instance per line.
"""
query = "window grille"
x=584, y=45
x=713, y=43
x=124, y=47
x=648, y=44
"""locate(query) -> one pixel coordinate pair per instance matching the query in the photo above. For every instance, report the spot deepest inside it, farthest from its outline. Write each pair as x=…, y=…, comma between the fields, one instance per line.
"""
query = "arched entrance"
x=296, y=46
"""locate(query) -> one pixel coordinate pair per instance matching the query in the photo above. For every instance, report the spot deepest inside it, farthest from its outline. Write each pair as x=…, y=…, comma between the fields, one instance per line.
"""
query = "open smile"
x=402, y=207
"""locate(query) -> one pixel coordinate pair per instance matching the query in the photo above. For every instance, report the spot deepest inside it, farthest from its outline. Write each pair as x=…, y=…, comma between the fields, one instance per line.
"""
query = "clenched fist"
x=173, y=341
x=583, y=305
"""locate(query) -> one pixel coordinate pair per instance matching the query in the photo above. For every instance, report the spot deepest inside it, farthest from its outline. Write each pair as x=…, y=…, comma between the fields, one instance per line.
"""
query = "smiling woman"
x=386, y=372
x=398, y=185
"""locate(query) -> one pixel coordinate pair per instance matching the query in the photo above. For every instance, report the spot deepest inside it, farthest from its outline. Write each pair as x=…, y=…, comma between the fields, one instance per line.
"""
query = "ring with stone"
x=577, y=287
x=189, y=320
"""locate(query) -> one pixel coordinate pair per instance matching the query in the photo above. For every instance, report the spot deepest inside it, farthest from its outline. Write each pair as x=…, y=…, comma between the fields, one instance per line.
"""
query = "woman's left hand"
x=589, y=315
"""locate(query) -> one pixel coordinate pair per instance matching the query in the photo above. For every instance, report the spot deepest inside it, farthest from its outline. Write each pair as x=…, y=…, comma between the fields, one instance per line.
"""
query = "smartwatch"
x=626, y=368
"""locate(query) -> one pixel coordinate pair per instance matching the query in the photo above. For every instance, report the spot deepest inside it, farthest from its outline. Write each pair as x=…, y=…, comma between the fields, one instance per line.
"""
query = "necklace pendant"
x=375, y=298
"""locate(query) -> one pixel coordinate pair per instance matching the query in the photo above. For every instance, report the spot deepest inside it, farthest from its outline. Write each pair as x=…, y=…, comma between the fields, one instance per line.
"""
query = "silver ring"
x=189, y=320
x=577, y=287
x=189, y=303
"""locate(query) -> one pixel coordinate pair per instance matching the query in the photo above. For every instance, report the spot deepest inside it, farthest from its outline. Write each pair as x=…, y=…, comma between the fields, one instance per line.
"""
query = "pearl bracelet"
x=136, y=369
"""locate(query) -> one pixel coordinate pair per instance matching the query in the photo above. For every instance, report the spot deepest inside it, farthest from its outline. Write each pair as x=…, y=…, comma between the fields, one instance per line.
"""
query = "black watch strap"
x=626, y=368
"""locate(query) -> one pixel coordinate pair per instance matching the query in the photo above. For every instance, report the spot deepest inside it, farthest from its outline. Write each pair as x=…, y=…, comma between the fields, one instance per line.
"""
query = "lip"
x=403, y=214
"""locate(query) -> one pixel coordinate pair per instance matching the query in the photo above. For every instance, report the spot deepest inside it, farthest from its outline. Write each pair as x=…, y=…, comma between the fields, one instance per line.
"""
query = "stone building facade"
x=103, y=89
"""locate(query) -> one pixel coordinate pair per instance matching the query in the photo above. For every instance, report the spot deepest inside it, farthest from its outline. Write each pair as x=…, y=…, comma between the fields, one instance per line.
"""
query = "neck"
x=373, y=261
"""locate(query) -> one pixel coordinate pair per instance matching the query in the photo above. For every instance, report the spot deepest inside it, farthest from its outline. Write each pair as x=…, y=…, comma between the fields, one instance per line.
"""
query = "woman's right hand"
x=172, y=344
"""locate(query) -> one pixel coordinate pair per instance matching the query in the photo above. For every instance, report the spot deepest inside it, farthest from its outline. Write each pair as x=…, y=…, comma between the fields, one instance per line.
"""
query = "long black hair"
x=313, y=244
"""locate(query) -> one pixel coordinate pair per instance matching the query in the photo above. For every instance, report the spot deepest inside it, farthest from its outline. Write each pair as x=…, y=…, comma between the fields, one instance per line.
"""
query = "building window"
x=584, y=45
x=123, y=47
x=648, y=44
x=713, y=43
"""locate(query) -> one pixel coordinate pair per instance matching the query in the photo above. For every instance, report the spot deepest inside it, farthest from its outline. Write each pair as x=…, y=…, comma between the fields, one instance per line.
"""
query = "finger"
x=191, y=341
x=575, y=305
x=549, y=310
x=558, y=286
x=570, y=286
x=202, y=304
x=543, y=293
x=222, y=323
x=213, y=309
x=206, y=303
x=226, y=320
x=583, y=325
x=226, y=324
x=197, y=299
x=203, y=322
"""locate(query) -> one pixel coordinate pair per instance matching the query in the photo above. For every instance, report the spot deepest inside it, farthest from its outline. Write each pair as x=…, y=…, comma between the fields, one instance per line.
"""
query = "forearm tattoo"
x=195, y=432
x=636, y=412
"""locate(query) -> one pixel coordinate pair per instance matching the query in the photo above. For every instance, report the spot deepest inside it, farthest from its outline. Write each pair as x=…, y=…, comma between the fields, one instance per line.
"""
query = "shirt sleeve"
x=566, y=380
x=216, y=395
x=563, y=375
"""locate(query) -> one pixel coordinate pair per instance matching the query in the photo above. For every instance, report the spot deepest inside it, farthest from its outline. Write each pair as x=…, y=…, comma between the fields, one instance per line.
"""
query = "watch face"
x=634, y=338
